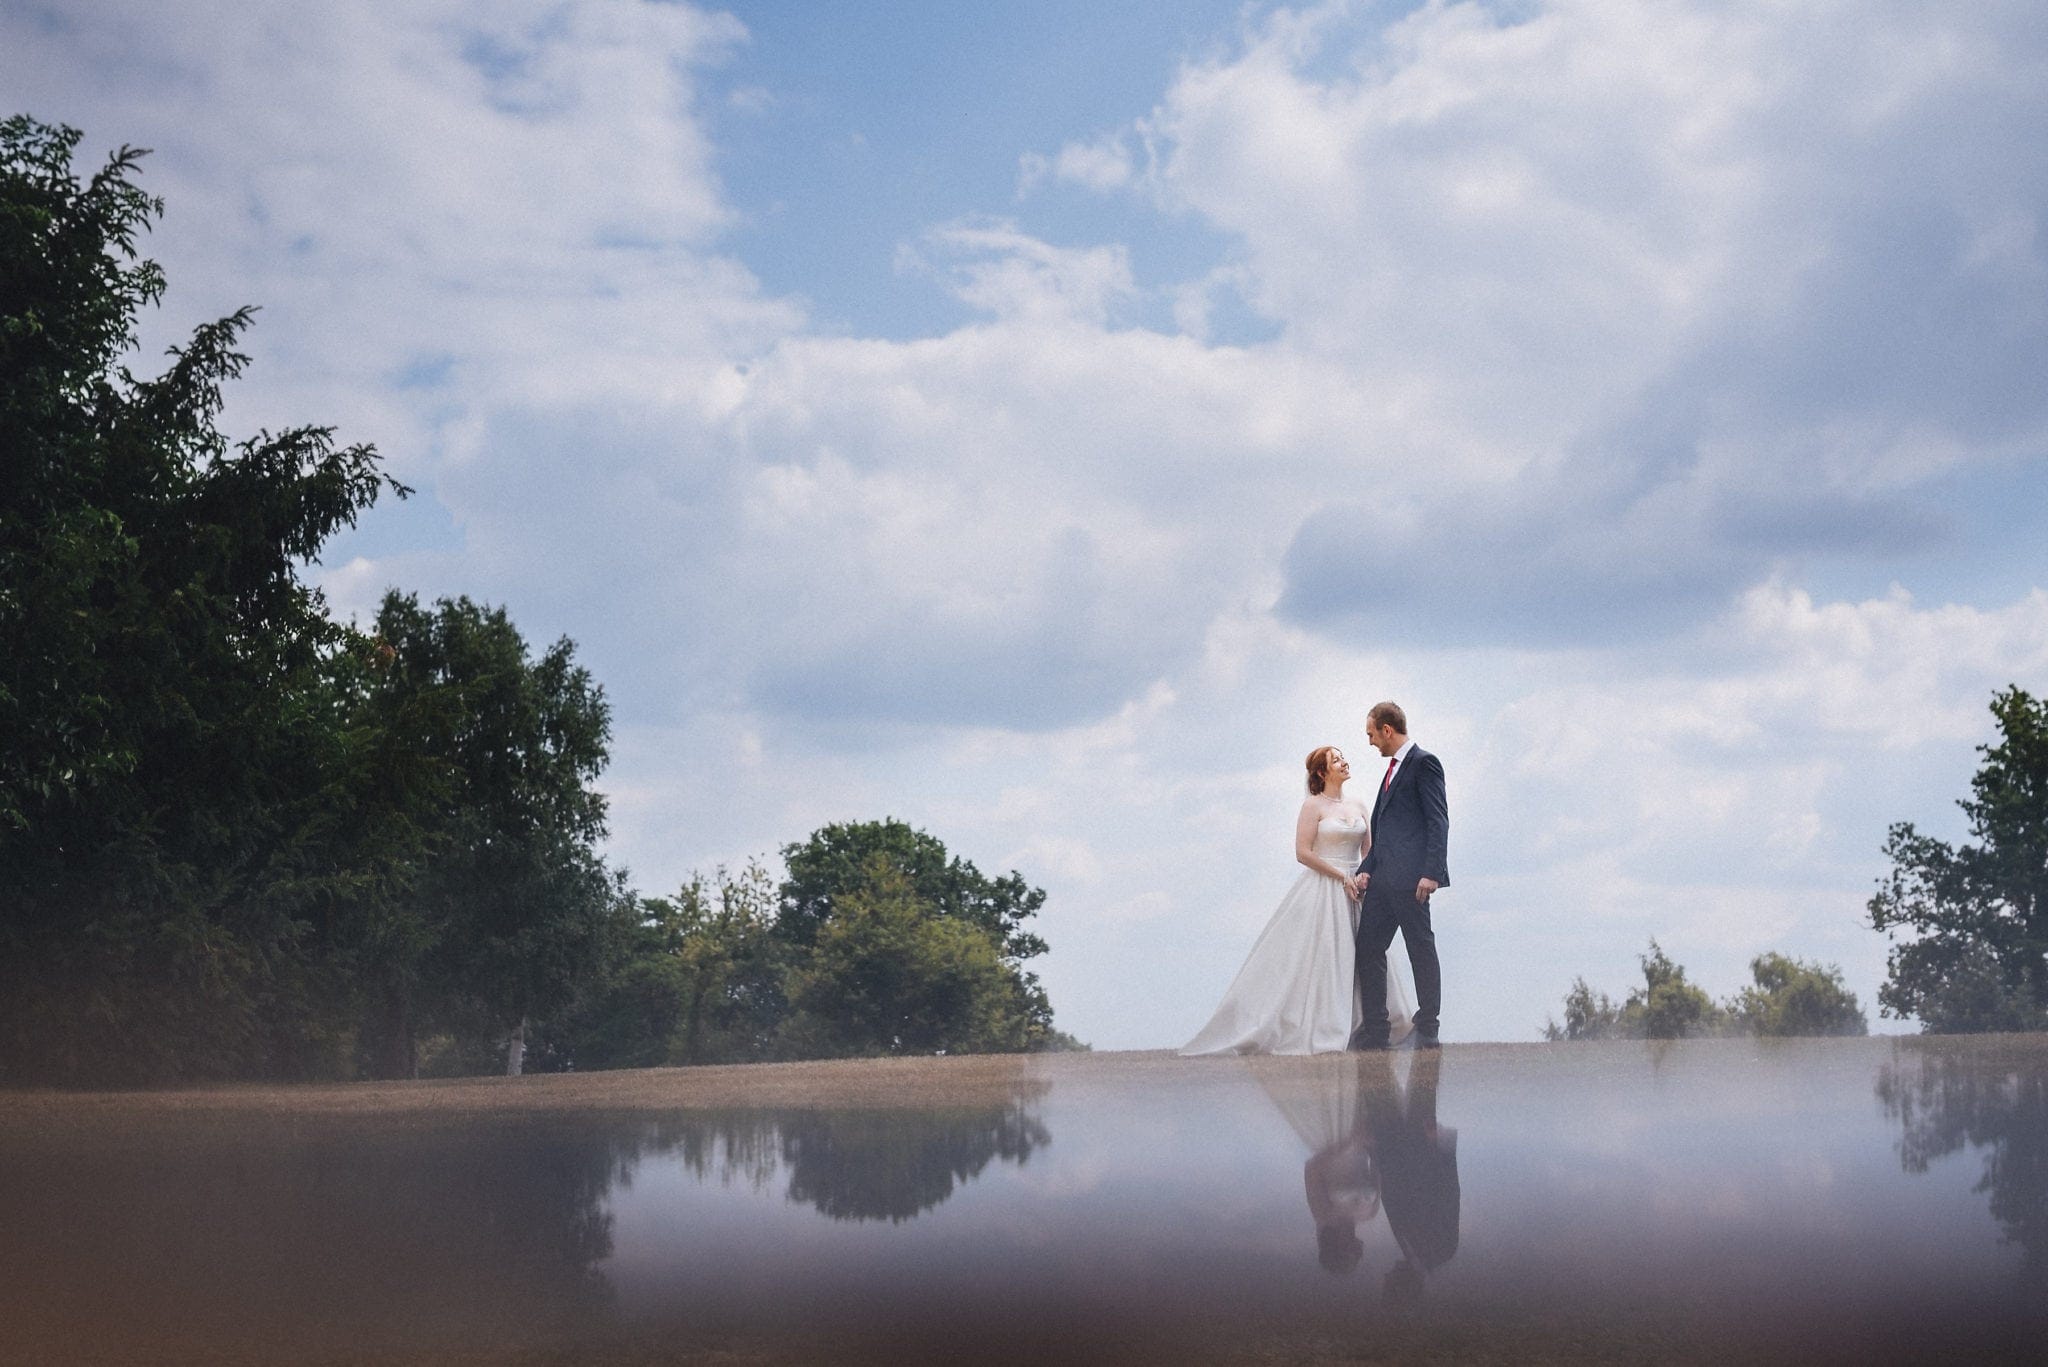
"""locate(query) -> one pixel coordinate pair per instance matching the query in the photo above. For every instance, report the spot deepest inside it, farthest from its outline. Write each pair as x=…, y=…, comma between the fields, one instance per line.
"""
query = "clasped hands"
x=1354, y=885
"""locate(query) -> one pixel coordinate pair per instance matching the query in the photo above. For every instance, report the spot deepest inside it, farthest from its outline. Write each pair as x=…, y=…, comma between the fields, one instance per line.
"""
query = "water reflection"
x=1723, y=1199
x=376, y=1238
x=1988, y=1095
x=1375, y=1147
x=1418, y=1165
x=855, y=1164
x=211, y=1239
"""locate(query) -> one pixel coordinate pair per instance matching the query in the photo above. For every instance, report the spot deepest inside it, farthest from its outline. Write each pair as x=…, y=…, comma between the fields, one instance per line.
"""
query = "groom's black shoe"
x=1425, y=1040
x=1360, y=1044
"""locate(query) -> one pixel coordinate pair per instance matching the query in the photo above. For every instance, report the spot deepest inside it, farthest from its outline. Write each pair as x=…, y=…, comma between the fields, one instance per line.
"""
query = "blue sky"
x=1047, y=423
x=850, y=129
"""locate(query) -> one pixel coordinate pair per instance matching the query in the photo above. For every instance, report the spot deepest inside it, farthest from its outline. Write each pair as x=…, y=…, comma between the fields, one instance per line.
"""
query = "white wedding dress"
x=1297, y=992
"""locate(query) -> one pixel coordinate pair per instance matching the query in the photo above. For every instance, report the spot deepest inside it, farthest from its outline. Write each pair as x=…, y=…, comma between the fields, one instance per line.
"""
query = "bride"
x=1296, y=992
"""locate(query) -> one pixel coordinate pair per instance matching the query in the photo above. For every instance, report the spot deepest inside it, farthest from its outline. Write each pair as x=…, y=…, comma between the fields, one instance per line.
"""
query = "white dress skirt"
x=1297, y=992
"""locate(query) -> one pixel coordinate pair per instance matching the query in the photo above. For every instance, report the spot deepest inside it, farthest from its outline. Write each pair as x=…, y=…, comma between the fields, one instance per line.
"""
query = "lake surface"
x=1849, y=1200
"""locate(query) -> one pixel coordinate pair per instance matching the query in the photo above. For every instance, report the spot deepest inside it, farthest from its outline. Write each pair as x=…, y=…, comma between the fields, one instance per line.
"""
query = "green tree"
x=716, y=974
x=835, y=860
x=1787, y=997
x=1587, y=1015
x=1793, y=997
x=696, y=978
x=509, y=909
x=1666, y=1006
x=172, y=855
x=732, y=967
x=1969, y=923
x=628, y=1012
x=1976, y=997
x=889, y=973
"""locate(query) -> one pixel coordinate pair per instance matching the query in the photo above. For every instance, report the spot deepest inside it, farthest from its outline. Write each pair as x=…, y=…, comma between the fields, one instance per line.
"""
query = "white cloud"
x=1683, y=289
x=442, y=206
x=1886, y=670
x=993, y=267
x=1102, y=164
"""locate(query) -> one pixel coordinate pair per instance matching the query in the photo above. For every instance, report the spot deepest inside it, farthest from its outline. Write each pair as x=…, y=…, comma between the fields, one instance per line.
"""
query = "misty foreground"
x=1843, y=1199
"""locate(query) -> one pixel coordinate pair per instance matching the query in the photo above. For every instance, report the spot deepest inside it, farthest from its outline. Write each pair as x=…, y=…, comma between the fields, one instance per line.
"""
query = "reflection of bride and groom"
x=1317, y=979
x=1375, y=1146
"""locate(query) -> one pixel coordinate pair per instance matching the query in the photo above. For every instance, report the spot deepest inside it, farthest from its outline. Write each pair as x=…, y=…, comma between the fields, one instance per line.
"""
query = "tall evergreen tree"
x=169, y=683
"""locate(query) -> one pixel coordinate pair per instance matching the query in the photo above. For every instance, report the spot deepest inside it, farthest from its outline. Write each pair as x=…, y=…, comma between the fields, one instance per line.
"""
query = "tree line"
x=1786, y=997
x=1968, y=924
x=242, y=838
x=877, y=941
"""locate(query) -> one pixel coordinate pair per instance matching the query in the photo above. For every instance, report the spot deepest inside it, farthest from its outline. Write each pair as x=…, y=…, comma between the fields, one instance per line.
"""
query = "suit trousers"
x=1390, y=906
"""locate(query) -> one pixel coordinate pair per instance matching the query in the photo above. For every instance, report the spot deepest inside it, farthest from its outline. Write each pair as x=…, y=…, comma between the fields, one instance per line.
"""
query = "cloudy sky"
x=1046, y=422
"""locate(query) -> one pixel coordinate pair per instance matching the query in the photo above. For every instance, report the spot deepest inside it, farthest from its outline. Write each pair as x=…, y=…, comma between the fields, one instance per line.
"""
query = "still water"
x=1852, y=1200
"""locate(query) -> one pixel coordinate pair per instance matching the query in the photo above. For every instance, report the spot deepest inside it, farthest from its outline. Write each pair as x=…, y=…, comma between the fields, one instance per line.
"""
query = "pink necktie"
x=1388, y=781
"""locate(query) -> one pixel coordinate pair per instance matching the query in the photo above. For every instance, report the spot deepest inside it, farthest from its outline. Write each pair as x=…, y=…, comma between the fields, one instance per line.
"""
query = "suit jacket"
x=1411, y=826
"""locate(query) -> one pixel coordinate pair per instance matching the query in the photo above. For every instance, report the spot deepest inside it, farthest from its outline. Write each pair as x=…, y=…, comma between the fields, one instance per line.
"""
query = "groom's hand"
x=1423, y=888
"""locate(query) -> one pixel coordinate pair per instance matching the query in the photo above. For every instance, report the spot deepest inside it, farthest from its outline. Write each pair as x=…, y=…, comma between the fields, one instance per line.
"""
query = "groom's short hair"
x=1388, y=714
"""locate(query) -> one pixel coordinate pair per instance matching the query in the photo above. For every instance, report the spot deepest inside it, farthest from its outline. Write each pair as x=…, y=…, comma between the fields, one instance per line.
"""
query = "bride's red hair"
x=1319, y=767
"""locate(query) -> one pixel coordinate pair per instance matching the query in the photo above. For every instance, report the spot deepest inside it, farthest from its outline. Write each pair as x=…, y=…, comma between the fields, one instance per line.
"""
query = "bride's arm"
x=1305, y=848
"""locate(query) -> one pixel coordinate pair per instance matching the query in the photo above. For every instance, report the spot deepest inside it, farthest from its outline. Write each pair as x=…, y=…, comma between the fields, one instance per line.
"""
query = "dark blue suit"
x=1417, y=1160
x=1411, y=831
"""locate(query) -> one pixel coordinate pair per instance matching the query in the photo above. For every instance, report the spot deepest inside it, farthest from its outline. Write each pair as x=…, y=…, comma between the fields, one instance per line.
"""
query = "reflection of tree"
x=870, y=1164
x=892, y=1165
x=354, y=1240
x=149, y=1244
x=1993, y=1097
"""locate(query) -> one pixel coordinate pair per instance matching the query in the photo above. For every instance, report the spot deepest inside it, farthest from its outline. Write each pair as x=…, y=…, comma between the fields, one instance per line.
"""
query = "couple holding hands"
x=1317, y=979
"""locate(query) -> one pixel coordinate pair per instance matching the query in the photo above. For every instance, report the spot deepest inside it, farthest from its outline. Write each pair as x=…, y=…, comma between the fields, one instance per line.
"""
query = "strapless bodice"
x=1338, y=840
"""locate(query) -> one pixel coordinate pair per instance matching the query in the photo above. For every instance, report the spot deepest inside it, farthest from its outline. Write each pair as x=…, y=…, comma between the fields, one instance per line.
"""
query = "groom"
x=1411, y=828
